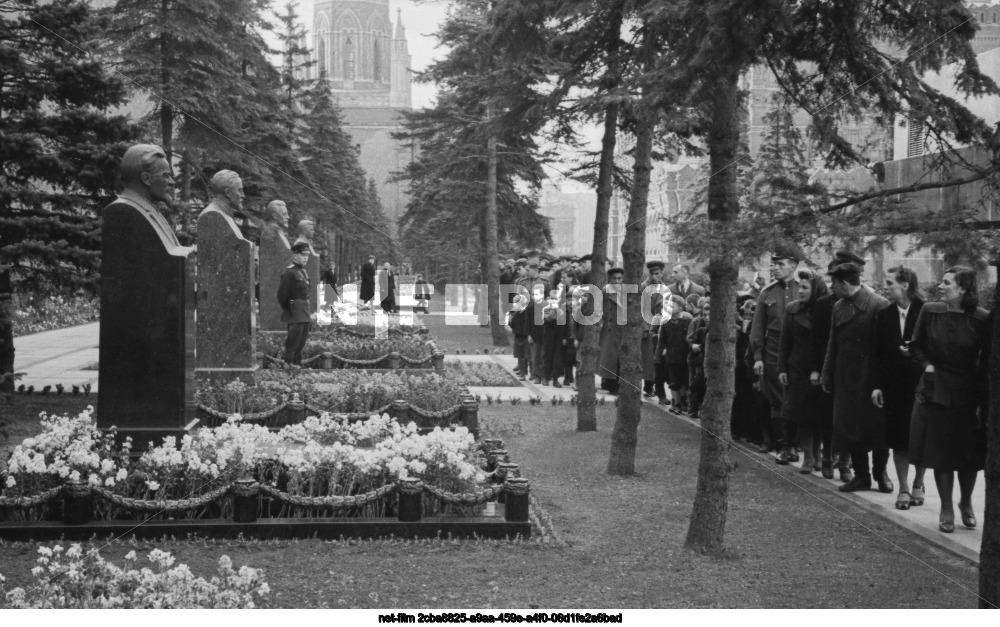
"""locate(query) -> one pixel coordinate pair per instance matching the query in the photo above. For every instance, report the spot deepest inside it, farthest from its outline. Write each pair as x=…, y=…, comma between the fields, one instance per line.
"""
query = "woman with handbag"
x=947, y=430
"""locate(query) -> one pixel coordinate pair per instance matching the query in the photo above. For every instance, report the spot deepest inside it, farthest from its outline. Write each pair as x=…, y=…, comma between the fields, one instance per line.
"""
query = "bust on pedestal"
x=227, y=328
x=275, y=257
x=146, y=355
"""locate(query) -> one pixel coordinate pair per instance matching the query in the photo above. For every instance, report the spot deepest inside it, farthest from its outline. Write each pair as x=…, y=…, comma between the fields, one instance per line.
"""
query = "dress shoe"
x=664, y=401
x=827, y=470
x=946, y=523
x=884, y=483
x=695, y=415
x=556, y=384
x=782, y=457
x=764, y=448
x=917, y=496
x=793, y=455
x=857, y=484
x=846, y=475
x=520, y=377
x=968, y=516
x=647, y=395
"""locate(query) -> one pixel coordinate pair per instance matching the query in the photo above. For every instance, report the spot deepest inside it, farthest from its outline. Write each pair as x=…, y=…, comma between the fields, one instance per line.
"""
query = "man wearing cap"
x=651, y=330
x=858, y=425
x=531, y=279
x=583, y=274
x=293, y=297
x=611, y=331
x=765, y=331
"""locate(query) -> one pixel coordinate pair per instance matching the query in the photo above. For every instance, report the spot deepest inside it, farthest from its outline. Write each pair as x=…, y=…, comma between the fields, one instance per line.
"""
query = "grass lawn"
x=791, y=544
x=452, y=337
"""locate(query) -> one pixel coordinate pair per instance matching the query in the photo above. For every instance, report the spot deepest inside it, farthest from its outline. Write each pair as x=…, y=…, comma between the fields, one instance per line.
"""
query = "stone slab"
x=147, y=332
x=226, y=319
x=275, y=256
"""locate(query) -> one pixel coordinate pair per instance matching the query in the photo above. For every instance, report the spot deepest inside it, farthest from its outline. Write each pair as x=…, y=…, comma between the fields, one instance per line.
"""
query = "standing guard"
x=293, y=297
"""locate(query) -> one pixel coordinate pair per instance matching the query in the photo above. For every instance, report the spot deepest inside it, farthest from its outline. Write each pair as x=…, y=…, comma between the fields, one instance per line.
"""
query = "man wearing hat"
x=765, y=331
x=583, y=274
x=293, y=297
x=651, y=330
x=858, y=425
x=531, y=279
x=611, y=331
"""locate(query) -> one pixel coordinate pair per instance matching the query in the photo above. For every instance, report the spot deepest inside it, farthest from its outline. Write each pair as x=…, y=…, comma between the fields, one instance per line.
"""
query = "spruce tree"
x=59, y=144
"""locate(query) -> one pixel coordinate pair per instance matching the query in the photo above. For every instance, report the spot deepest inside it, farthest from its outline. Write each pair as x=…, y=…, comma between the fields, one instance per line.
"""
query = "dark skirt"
x=801, y=400
x=898, y=415
x=946, y=438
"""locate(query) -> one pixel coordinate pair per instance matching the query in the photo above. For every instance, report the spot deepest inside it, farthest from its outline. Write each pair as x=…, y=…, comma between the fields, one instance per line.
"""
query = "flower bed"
x=337, y=350
x=54, y=312
x=217, y=481
x=478, y=374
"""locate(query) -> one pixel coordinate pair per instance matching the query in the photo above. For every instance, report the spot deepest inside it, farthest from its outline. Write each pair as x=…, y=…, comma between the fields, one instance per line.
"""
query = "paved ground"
x=58, y=357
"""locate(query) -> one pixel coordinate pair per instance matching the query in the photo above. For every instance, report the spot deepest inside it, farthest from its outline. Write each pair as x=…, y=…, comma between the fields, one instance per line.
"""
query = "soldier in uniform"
x=765, y=331
x=293, y=297
x=651, y=331
x=611, y=331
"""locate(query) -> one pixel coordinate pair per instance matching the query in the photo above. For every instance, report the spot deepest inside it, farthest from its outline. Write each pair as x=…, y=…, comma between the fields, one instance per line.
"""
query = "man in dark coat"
x=293, y=297
x=650, y=332
x=765, y=333
x=683, y=286
x=821, y=319
x=387, y=286
x=858, y=425
x=367, y=292
x=611, y=331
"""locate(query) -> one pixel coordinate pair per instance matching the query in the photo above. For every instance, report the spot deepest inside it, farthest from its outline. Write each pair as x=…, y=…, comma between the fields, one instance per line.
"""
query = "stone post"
x=395, y=361
x=245, y=499
x=401, y=411
x=437, y=360
x=470, y=416
x=411, y=493
x=516, y=492
x=77, y=503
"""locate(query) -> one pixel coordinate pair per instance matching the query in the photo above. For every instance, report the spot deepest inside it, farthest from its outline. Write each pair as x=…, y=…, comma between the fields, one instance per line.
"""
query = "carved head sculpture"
x=146, y=171
x=226, y=189
x=306, y=229
x=277, y=213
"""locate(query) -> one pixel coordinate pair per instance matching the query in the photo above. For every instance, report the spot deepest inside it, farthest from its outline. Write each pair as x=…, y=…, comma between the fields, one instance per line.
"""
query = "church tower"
x=367, y=62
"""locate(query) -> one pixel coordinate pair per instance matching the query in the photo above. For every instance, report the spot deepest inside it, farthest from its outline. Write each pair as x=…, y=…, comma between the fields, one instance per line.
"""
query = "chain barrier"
x=417, y=362
x=448, y=413
x=465, y=498
x=164, y=506
x=353, y=362
x=27, y=502
x=329, y=502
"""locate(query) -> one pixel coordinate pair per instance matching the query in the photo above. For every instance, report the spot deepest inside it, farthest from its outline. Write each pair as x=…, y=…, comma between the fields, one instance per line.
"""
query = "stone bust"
x=149, y=181
x=307, y=229
x=226, y=192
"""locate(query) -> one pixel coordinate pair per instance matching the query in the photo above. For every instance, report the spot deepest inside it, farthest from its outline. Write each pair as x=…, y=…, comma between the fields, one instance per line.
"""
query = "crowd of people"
x=827, y=368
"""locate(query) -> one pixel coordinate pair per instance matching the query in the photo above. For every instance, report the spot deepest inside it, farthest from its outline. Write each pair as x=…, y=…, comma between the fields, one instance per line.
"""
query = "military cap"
x=587, y=257
x=533, y=265
x=616, y=270
x=742, y=299
x=842, y=256
x=655, y=264
x=300, y=247
x=785, y=252
x=522, y=261
x=510, y=261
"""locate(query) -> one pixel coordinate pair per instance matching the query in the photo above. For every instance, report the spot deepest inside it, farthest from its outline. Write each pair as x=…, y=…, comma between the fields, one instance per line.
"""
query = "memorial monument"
x=227, y=326
x=147, y=342
x=275, y=255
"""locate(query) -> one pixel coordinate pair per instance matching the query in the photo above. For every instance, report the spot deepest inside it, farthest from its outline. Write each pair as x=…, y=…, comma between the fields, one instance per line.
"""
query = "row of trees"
x=668, y=74
x=78, y=85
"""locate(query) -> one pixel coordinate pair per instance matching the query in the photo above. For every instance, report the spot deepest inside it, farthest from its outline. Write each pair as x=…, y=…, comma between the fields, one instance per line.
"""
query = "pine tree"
x=59, y=145
x=295, y=63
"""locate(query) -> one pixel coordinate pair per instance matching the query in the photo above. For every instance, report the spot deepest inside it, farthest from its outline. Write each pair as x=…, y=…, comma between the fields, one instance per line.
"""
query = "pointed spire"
x=400, y=29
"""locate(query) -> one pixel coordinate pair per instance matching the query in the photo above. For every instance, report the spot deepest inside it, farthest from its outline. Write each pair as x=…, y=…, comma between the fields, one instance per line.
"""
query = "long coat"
x=765, y=333
x=895, y=374
x=650, y=332
x=611, y=336
x=847, y=370
x=367, y=282
x=793, y=359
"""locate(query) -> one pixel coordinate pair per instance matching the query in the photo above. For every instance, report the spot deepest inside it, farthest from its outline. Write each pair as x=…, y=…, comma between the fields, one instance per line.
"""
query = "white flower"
x=130, y=555
x=74, y=476
x=11, y=482
x=109, y=482
x=122, y=474
x=153, y=485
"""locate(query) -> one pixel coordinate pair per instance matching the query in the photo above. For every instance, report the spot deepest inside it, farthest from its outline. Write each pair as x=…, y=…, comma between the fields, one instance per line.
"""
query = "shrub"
x=54, y=312
x=74, y=579
x=348, y=346
x=478, y=374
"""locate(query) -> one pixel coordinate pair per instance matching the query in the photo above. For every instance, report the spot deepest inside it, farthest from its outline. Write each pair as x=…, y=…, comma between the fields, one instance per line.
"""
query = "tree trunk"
x=492, y=269
x=706, y=530
x=989, y=551
x=166, y=109
x=625, y=435
x=589, y=350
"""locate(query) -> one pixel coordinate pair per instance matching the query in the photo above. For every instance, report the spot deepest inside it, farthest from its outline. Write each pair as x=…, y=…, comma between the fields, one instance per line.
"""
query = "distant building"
x=367, y=63
x=571, y=218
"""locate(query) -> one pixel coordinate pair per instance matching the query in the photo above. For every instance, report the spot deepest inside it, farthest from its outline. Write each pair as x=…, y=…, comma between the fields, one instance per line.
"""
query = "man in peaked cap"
x=293, y=297
x=844, y=256
x=765, y=331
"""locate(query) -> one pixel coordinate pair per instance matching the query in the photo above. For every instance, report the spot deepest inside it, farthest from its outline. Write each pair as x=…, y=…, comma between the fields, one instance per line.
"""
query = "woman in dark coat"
x=794, y=367
x=673, y=348
x=367, y=291
x=947, y=433
x=896, y=376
